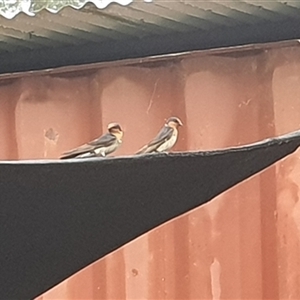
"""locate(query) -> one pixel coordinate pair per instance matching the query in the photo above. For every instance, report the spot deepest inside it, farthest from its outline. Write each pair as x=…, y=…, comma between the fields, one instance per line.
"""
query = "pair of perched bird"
x=111, y=141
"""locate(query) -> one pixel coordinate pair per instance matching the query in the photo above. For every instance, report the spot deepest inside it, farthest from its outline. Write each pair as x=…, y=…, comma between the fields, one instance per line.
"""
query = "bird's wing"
x=164, y=134
x=103, y=141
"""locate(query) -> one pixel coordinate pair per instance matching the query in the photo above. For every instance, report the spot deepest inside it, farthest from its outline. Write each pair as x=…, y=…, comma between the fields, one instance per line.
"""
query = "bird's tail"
x=68, y=155
x=142, y=150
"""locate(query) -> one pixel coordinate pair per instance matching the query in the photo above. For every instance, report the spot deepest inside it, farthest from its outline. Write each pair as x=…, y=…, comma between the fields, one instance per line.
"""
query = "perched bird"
x=101, y=146
x=165, y=139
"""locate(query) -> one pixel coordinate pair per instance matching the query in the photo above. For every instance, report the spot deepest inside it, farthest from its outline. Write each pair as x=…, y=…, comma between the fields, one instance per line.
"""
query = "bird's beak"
x=180, y=123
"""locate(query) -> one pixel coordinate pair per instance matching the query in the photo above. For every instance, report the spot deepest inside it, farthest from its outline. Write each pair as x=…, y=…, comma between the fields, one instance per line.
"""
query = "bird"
x=99, y=147
x=165, y=139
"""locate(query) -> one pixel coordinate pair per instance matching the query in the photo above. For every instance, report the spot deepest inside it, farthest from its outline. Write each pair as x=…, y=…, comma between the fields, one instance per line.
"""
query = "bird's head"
x=115, y=129
x=174, y=122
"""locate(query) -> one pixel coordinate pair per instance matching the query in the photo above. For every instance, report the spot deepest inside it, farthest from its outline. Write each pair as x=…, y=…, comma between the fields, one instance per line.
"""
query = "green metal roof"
x=101, y=30
x=58, y=23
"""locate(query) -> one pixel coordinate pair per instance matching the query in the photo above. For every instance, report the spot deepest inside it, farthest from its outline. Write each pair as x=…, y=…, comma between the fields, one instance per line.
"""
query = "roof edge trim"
x=154, y=58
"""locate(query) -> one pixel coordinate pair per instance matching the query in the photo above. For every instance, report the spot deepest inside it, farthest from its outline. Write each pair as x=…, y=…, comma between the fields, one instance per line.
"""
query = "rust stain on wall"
x=243, y=245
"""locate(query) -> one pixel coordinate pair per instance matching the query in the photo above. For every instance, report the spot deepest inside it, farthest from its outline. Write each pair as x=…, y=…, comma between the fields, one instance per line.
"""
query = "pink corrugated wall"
x=245, y=244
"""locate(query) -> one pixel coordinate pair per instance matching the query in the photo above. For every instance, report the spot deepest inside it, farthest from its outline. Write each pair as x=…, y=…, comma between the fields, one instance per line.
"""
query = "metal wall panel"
x=245, y=244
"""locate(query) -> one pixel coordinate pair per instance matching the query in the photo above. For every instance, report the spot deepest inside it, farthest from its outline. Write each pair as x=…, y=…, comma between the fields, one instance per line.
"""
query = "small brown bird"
x=101, y=146
x=165, y=139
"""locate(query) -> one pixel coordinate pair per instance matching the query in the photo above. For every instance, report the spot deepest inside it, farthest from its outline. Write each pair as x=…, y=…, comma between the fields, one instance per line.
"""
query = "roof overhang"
x=59, y=34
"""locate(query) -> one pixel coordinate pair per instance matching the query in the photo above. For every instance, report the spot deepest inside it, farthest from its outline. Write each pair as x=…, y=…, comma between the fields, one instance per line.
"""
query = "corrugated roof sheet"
x=136, y=24
x=139, y=19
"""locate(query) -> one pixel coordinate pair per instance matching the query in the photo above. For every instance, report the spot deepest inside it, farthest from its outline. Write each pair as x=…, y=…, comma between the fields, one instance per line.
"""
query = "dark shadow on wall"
x=57, y=217
x=285, y=29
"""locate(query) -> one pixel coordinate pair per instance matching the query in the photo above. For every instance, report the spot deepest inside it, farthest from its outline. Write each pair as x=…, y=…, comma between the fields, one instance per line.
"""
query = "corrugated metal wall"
x=243, y=245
